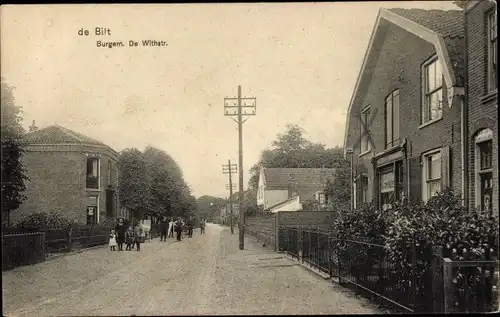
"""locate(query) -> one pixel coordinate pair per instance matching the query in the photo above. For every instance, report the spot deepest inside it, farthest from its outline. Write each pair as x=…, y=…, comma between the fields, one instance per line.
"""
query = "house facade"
x=403, y=128
x=482, y=104
x=71, y=174
x=278, y=187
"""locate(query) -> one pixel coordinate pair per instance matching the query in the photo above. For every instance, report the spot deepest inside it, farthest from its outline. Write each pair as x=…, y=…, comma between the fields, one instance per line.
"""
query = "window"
x=390, y=184
x=92, y=210
x=362, y=189
x=484, y=169
x=365, y=143
x=433, y=92
x=109, y=173
x=432, y=174
x=386, y=189
x=492, y=51
x=321, y=198
x=392, y=119
x=92, y=172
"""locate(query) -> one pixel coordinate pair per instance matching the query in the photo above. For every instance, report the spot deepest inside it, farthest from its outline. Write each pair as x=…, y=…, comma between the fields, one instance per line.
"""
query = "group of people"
x=167, y=227
x=131, y=236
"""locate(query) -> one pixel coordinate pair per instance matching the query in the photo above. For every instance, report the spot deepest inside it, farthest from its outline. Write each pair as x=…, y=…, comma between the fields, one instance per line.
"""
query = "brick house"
x=482, y=104
x=282, y=188
x=69, y=173
x=403, y=130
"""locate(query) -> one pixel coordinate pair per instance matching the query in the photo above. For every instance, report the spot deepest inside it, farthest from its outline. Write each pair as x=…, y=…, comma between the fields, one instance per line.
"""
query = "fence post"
x=276, y=232
x=329, y=255
x=300, y=247
x=44, y=256
x=436, y=278
x=70, y=239
x=448, y=285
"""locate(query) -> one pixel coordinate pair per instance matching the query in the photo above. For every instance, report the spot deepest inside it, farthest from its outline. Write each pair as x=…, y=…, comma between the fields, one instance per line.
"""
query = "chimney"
x=33, y=127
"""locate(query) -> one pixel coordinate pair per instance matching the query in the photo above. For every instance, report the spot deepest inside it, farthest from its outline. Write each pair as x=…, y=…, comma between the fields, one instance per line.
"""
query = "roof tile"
x=283, y=178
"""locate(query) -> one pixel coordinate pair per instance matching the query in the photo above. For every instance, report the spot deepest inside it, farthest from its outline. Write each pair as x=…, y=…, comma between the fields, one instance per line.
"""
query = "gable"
x=442, y=29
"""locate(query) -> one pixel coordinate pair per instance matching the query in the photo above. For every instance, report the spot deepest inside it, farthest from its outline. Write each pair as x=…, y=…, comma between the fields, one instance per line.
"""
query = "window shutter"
x=445, y=167
x=415, y=178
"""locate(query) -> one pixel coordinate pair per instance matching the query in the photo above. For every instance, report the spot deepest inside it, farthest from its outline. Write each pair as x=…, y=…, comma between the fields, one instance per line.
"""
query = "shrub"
x=43, y=220
x=415, y=227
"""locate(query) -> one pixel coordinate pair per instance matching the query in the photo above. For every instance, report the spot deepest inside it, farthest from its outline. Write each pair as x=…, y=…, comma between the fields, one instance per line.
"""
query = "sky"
x=299, y=60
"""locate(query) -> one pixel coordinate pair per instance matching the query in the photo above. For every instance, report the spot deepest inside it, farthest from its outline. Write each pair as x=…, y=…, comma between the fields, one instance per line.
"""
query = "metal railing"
x=430, y=284
x=20, y=249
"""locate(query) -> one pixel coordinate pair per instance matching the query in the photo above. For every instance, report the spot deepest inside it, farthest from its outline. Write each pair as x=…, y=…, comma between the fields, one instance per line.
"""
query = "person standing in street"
x=202, y=226
x=171, y=228
x=178, y=228
x=190, y=224
x=138, y=235
x=163, y=229
x=120, y=229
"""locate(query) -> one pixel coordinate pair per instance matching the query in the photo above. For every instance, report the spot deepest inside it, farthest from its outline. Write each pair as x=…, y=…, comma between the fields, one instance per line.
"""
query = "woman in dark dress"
x=120, y=229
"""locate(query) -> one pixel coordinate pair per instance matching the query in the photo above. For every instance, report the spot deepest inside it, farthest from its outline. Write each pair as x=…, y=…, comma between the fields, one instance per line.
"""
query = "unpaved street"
x=203, y=275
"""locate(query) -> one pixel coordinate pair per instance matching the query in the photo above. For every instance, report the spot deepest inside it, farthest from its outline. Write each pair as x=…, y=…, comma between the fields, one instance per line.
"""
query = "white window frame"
x=365, y=117
x=484, y=135
x=425, y=173
x=426, y=113
x=98, y=159
x=492, y=51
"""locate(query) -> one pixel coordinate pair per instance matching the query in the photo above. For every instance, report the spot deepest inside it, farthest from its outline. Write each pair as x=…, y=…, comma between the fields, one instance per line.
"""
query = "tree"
x=292, y=150
x=207, y=206
x=338, y=191
x=133, y=184
x=13, y=170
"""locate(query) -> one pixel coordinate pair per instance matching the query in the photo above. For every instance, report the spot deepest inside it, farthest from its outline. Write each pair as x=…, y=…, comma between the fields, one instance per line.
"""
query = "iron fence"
x=20, y=249
x=430, y=283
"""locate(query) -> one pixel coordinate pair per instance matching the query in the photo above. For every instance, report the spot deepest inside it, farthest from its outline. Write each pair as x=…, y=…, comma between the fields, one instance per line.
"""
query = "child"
x=112, y=240
x=130, y=237
x=138, y=236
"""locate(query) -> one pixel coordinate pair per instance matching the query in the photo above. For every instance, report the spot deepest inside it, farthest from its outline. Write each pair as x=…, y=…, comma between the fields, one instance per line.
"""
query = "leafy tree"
x=338, y=191
x=207, y=206
x=292, y=150
x=133, y=184
x=13, y=171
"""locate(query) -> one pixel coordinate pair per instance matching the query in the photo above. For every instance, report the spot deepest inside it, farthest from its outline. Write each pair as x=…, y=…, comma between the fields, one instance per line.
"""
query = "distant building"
x=404, y=120
x=482, y=104
x=69, y=173
x=283, y=189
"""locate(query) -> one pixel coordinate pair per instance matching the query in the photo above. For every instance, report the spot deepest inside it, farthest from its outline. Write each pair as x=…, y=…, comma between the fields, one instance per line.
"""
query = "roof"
x=284, y=178
x=283, y=202
x=450, y=25
x=443, y=29
x=56, y=134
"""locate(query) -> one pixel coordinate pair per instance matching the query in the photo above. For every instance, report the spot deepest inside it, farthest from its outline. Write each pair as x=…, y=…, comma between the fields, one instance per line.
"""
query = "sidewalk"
x=257, y=280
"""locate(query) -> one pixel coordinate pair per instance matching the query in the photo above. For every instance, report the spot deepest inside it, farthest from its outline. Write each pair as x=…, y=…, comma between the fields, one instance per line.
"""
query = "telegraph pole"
x=230, y=105
x=230, y=169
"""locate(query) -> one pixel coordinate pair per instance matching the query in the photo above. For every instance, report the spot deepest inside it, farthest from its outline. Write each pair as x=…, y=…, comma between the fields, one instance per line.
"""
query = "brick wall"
x=398, y=66
x=57, y=183
x=265, y=227
x=482, y=112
